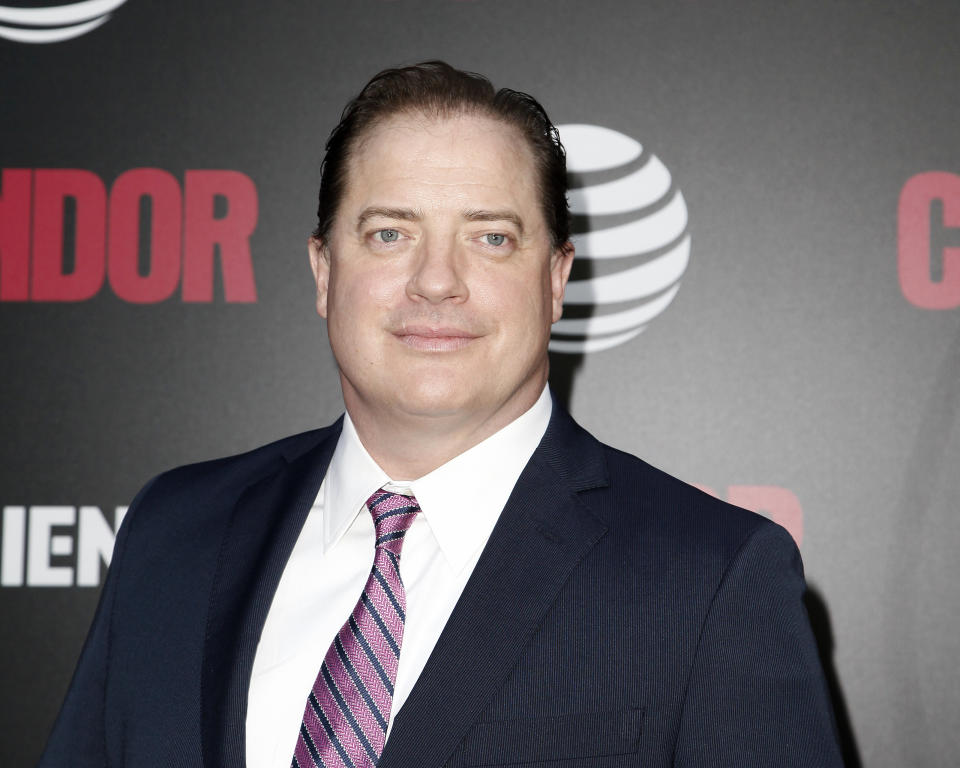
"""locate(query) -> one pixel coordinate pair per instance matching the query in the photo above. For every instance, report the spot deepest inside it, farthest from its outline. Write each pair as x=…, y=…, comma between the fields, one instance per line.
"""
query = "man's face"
x=438, y=280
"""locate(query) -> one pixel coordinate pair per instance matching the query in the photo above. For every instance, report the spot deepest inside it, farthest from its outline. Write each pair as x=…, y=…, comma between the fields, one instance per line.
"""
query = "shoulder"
x=688, y=550
x=182, y=514
x=185, y=497
x=649, y=512
x=664, y=512
x=246, y=467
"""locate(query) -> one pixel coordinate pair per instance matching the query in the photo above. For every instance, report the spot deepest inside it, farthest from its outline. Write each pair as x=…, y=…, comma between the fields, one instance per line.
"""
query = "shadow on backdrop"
x=823, y=634
x=564, y=365
x=563, y=371
x=921, y=522
x=631, y=229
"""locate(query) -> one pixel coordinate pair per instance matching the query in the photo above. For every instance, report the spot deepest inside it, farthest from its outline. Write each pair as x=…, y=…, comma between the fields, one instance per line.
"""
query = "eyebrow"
x=404, y=214
x=409, y=214
x=505, y=215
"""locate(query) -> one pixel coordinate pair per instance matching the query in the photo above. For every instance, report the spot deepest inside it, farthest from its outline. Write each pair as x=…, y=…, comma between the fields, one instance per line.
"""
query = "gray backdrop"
x=808, y=366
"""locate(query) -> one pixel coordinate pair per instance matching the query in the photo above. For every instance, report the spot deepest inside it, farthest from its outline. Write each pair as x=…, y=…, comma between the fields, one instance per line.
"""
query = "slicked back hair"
x=435, y=89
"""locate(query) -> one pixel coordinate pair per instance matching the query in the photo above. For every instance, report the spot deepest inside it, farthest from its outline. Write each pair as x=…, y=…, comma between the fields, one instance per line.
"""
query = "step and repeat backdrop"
x=766, y=300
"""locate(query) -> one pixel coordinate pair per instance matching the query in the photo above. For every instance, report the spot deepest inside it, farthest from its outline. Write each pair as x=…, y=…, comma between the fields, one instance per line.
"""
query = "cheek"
x=522, y=302
x=357, y=294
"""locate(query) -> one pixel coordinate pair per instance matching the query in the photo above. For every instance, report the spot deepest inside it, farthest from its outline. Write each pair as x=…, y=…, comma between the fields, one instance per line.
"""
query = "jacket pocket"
x=538, y=739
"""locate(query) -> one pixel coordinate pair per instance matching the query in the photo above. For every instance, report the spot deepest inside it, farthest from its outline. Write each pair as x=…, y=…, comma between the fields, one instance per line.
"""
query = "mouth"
x=425, y=338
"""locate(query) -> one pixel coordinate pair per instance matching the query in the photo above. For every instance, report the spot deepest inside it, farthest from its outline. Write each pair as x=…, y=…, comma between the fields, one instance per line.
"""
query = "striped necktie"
x=345, y=719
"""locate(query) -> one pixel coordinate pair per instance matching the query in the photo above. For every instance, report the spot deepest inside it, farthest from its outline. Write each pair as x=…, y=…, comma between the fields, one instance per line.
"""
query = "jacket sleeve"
x=78, y=739
x=756, y=694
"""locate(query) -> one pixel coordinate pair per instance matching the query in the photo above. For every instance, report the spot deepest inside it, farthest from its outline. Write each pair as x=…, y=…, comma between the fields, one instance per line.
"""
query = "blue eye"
x=495, y=239
x=388, y=235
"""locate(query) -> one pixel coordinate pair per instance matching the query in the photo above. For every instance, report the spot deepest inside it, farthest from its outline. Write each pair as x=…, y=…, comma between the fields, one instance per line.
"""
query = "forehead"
x=436, y=162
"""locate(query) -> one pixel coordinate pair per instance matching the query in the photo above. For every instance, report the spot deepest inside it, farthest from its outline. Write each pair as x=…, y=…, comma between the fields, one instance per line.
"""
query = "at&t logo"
x=54, y=23
x=630, y=232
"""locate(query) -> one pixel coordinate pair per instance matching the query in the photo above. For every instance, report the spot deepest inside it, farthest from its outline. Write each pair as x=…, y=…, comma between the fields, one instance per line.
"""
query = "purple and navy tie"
x=345, y=720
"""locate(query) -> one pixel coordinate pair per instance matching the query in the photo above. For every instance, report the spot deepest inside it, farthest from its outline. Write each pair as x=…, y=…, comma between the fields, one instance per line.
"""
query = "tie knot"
x=393, y=514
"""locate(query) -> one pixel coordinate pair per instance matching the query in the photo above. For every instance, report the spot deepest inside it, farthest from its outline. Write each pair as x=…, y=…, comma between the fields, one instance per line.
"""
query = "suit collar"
x=572, y=452
x=544, y=532
x=264, y=525
x=462, y=521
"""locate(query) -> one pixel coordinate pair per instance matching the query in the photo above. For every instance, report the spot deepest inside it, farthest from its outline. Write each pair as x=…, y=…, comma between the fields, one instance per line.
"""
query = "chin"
x=438, y=393
x=434, y=402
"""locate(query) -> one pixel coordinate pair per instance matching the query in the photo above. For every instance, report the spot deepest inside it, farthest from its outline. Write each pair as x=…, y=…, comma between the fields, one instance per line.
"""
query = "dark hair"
x=437, y=89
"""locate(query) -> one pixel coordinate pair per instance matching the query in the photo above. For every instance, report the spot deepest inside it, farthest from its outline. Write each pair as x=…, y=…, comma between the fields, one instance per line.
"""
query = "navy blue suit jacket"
x=617, y=617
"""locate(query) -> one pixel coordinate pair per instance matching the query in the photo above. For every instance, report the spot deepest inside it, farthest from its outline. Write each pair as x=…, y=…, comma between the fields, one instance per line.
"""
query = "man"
x=536, y=598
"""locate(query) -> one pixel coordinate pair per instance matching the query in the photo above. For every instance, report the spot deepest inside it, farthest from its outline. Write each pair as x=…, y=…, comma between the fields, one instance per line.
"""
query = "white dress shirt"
x=331, y=561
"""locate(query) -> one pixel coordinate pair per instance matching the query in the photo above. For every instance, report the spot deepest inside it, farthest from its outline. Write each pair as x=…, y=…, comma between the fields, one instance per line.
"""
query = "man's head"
x=435, y=89
x=437, y=260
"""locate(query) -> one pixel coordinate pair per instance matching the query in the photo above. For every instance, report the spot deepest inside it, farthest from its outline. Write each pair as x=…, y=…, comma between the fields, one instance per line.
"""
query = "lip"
x=425, y=338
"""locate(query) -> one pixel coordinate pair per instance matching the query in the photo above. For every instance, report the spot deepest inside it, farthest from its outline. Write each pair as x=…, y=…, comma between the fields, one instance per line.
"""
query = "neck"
x=409, y=446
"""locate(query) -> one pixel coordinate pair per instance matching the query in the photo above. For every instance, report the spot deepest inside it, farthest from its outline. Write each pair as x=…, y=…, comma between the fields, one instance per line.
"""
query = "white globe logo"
x=55, y=23
x=641, y=257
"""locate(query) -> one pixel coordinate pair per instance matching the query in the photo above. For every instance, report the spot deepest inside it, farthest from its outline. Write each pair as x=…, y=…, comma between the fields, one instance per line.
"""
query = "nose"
x=437, y=273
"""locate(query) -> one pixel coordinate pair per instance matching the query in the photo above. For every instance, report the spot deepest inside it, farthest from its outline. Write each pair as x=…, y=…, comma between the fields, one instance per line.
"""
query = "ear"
x=320, y=264
x=561, y=260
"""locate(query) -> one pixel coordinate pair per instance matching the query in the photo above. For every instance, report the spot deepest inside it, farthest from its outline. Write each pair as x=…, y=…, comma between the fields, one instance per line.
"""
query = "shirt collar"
x=352, y=478
x=460, y=500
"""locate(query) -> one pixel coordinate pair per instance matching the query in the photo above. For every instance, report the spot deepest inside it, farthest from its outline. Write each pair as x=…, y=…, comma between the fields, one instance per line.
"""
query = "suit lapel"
x=543, y=532
x=264, y=525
